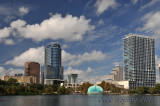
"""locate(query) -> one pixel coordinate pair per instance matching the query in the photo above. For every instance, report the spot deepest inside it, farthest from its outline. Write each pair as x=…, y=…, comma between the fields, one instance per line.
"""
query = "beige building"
x=116, y=74
x=20, y=79
x=74, y=86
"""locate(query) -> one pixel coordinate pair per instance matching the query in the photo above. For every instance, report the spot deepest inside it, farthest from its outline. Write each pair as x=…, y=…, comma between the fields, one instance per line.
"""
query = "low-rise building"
x=74, y=86
x=120, y=84
x=20, y=79
x=53, y=81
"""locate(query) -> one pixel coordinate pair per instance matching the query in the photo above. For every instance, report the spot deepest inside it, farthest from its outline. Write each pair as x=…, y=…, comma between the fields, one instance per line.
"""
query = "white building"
x=120, y=84
x=139, y=60
x=116, y=74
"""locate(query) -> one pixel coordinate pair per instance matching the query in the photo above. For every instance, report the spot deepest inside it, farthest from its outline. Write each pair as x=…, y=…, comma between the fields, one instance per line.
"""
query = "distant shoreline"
x=80, y=94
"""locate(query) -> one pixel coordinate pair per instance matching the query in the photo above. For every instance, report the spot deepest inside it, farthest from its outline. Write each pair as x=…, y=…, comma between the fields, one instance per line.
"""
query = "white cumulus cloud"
x=33, y=54
x=68, y=28
x=85, y=75
x=37, y=55
x=4, y=33
x=23, y=10
x=64, y=46
x=103, y=5
x=151, y=23
x=9, y=42
x=73, y=60
x=10, y=71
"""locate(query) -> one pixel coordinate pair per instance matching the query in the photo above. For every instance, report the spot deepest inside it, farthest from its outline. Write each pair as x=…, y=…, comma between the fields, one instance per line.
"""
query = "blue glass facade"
x=53, y=67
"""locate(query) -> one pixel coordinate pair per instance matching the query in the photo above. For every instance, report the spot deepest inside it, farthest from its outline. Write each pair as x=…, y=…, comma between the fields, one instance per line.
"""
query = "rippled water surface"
x=81, y=100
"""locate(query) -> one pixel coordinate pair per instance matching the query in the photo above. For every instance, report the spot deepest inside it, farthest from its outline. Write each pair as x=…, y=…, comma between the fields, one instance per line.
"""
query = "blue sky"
x=90, y=32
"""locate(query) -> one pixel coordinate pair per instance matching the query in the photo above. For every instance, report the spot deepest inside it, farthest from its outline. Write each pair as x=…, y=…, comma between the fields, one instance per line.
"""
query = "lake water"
x=80, y=100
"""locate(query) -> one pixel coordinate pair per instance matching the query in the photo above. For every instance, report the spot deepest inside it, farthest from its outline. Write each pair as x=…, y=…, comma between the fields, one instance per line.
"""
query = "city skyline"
x=90, y=32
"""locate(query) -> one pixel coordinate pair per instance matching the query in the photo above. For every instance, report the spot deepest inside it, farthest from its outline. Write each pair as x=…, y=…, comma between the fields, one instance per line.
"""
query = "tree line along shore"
x=11, y=87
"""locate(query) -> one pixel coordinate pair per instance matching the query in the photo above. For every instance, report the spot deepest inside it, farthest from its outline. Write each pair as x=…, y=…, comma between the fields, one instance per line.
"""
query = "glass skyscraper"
x=139, y=61
x=53, y=68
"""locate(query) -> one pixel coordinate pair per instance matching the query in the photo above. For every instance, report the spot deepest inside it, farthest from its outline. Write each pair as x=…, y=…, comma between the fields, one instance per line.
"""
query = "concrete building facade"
x=32, y=69
x=21, y=79
x=116, y=74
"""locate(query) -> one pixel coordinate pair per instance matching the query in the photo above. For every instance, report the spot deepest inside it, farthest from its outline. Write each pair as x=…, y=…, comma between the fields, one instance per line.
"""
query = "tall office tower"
x=53, y=68
x=139, y=61
x=32, y=69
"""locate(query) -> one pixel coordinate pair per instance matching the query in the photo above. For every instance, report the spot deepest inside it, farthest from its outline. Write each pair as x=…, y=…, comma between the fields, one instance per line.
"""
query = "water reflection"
x=80, y=100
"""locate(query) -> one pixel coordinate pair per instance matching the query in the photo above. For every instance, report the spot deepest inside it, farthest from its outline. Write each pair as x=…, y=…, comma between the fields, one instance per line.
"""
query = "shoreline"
x=80, y=94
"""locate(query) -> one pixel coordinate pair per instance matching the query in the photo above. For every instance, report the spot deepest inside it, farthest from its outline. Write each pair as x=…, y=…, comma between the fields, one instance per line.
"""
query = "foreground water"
x=80, y=100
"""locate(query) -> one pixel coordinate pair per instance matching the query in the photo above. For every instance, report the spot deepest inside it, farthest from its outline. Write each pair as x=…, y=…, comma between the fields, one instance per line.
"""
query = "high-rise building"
x=72, y=81
x=32, y=69
x=119, y=76
x=139, y=60
x=72, y=78
x=116, y=74
x=52, y=68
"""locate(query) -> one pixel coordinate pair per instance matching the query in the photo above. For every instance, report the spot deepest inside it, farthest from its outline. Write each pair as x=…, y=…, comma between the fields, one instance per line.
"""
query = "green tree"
x=69, y=90
x=8, y=90
x=13, y=90
x=35, y=90
x=12, y=81
x=20, y=88
x=3, y=82
x=61, y=90
x=140, y=90
x=151, y=90
x=49, y=90
x=106, y=87
x=85, y=87
x=132, y=91
x=28, y=89
x=102, y=84
x=157, y=88
x=1, y=90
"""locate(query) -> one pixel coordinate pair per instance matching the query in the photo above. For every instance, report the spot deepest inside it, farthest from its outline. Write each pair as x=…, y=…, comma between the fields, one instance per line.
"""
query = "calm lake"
x=80, y=100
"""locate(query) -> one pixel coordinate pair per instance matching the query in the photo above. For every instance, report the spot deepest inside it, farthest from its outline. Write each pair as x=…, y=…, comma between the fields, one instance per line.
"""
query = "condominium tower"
x=139, y=60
